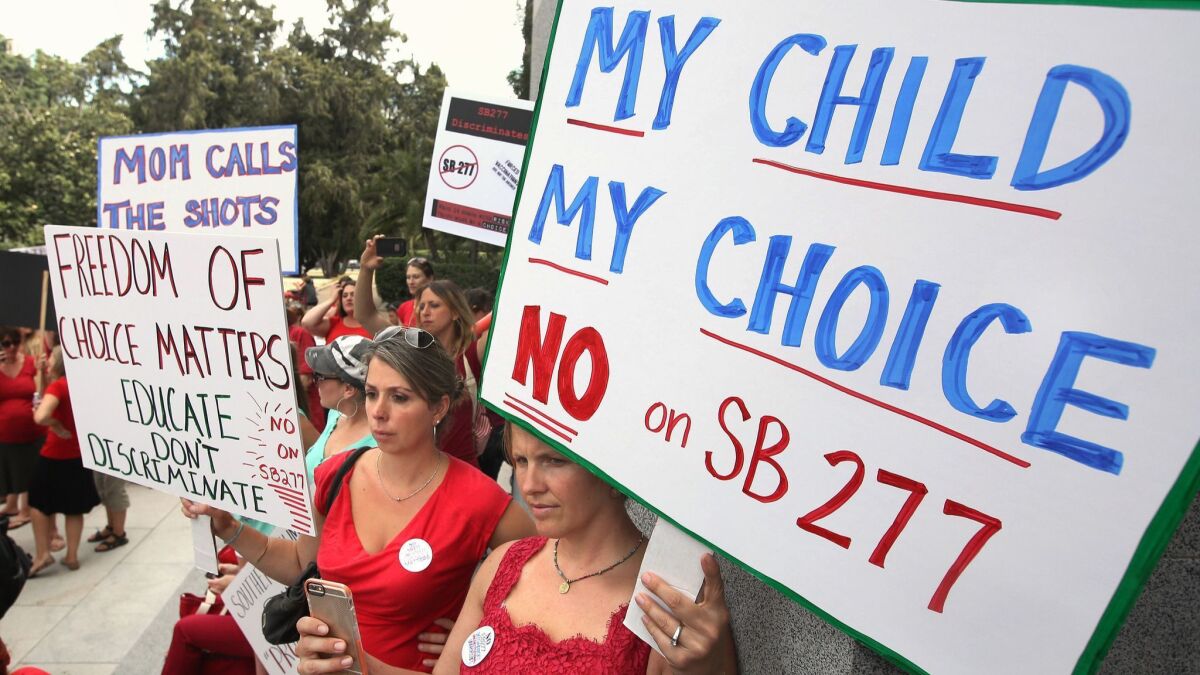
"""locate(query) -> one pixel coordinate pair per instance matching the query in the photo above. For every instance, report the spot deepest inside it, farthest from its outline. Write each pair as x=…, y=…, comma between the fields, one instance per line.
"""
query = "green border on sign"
x=1154, y=541
x=1131, y=4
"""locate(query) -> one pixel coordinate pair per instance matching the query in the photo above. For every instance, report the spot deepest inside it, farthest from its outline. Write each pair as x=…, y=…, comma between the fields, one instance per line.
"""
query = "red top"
x=303, y=339
x=405, y=313
x=338, y=328
x=57, y=447
x=16, y=406
x=527, y=649
x=394, y=604
x=458, y=436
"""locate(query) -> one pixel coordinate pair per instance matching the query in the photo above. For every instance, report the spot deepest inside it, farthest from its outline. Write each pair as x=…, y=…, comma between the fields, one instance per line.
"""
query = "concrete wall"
x=775, y=635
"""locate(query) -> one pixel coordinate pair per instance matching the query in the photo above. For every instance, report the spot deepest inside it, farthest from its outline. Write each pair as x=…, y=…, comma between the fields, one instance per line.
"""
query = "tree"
x=52, y=115
x=519, y=79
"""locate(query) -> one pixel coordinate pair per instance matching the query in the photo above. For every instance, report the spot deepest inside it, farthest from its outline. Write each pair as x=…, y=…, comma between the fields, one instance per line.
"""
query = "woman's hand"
x=228, y=573
x=318, y=653
x=705, y=642
x=370, y=259
x=432, y=642
x=223, y=523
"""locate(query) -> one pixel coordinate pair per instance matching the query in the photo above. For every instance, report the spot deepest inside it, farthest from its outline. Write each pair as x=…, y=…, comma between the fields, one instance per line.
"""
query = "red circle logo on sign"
x=458, y=167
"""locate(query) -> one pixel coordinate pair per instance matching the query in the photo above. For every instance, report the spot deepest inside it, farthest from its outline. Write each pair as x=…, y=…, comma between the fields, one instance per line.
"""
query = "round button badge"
x=477, y=646
x=415, y=555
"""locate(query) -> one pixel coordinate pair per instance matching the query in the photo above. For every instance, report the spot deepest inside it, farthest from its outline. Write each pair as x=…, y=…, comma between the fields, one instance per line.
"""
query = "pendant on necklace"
x=564, y=587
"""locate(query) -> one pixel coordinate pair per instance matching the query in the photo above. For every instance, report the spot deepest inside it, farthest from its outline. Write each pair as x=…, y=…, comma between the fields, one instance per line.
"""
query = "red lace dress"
x=527, y=649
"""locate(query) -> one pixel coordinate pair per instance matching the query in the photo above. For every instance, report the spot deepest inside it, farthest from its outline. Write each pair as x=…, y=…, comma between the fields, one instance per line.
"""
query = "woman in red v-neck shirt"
x=410, y=523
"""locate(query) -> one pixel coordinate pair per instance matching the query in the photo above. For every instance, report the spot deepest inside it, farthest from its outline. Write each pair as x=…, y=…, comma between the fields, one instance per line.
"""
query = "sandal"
x=57, y=543
x=40, y=565
x=101, y=535
x=113, y=540
x=69, y=564
x=17, y=521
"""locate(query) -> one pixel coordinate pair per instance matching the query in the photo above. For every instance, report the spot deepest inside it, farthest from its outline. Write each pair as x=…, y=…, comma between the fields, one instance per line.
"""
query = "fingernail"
x=339, y=646
x=347, y=662
x=640, y=599
x=322, y=629
x=647, y=578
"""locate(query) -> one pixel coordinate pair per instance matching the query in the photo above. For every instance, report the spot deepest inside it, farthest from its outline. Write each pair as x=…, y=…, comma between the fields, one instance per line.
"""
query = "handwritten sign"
x=225, y=181
x=245, y=597
x=177, y=344
x=476, y=166
x=893, y=303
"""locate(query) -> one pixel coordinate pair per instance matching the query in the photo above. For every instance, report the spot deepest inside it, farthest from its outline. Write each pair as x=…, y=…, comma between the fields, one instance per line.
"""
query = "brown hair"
x=429, y=371
x=464, y=319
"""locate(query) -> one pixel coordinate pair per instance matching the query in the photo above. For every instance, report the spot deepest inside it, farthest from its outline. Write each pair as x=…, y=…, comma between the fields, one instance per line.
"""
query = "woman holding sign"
x=409, y=523
x=556, y=602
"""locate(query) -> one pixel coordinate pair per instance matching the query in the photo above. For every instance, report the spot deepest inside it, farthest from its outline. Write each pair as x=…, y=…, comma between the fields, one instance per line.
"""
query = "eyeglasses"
x=417, y=261
x=417, y=338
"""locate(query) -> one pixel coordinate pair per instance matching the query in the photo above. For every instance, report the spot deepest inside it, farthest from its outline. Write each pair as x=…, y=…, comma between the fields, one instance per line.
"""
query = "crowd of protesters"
x=431, y=546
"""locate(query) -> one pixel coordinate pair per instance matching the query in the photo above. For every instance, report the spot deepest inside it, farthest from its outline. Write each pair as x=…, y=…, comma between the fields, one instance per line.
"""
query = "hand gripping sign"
x=180, y=367
x=893, y=303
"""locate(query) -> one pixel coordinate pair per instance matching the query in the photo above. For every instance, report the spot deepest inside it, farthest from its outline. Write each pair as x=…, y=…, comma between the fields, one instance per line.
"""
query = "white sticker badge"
x=415, y=555
x=477, y=646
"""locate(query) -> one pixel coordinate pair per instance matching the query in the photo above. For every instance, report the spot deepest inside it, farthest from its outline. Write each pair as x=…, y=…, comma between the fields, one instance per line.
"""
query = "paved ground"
x=115, y=614
x=107, y=617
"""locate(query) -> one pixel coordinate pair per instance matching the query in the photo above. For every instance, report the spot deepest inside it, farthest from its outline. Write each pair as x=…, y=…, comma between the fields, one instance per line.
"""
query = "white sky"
x=475, y=42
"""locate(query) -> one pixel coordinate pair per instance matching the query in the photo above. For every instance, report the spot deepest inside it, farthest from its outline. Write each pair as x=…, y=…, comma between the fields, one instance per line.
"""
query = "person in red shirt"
x=410, y=523
x=60, y=483
x=20, y=438
x=557, y=602
x=335, y=317
x=302, y=340
x=417, y=275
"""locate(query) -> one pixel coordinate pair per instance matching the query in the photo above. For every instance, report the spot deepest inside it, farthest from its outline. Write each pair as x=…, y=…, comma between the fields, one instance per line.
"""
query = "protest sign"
x=21, y=274
x=892, y=303
x=223, y=182
x=180, y=366
x=476, y=166
x=245, y=598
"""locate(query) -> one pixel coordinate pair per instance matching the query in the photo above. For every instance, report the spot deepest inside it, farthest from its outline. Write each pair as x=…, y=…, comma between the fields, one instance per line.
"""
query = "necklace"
x=566, y=583
x=379, y=472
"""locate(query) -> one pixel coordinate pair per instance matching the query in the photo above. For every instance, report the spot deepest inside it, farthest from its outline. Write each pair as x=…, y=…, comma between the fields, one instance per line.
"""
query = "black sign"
x=21, y=279
x=488, y=120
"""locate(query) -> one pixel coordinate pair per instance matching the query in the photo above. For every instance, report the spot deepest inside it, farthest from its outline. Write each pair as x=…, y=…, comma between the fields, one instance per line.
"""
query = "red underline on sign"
x=916, y=192
x=873, y=401
x=283, y=489
x=568, y=270
x=605, y=127
x=543, y=415
x=532, y=416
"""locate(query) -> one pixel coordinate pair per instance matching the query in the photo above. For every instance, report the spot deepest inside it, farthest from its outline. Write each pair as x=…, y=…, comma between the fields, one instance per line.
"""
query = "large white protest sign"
x=224, y=181
x=245, y=598
x=892, y=302
x=476, y=166
x=180, y=368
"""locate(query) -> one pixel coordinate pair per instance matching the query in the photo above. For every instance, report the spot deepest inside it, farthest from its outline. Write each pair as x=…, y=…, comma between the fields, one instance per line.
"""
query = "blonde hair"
x=464, y=318
x=55, y=364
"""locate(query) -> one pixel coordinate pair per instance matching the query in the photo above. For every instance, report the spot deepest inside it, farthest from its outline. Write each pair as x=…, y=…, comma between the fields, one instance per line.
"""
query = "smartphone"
x=333, y=604
x=391, y=247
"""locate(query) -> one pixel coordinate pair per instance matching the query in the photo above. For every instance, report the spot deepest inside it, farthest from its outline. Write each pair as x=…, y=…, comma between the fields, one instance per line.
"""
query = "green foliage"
x=366, y=122
x=483, y=272
x=52, y=115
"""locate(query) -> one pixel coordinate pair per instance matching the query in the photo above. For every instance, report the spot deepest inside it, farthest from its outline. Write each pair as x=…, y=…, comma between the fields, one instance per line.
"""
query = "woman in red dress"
x=20, y=438
x=556, y=603
x=410, y=523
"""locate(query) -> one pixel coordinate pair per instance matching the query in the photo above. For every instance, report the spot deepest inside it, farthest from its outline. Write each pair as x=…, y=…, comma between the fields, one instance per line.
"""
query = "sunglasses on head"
x=321, y=377
x=415, y=337
x=7, y=343
x=417, y=261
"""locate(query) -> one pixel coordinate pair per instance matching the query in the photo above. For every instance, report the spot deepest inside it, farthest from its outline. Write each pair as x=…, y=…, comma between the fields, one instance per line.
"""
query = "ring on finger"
x=675, y=636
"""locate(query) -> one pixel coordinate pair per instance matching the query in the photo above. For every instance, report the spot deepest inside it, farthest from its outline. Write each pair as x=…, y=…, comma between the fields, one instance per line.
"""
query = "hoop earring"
x=338, y=407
